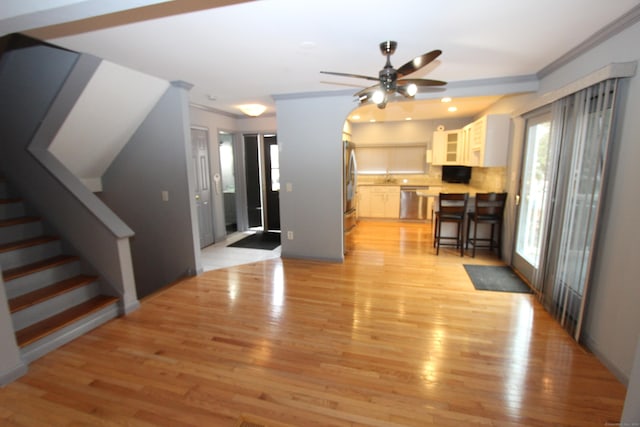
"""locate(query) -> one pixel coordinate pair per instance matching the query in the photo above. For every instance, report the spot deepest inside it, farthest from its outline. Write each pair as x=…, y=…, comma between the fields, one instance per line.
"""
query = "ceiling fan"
x=391, y=80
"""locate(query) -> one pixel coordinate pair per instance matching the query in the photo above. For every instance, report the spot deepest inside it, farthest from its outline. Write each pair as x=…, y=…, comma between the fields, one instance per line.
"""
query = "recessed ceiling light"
x=407, y=118
x=452, y=109
x=355, y=117
x=446, y=99
x=372, y=120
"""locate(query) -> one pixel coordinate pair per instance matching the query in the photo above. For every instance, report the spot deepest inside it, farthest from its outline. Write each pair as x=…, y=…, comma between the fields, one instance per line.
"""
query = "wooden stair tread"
x=32, y=298
x=21, y=244
x=14, y=273
x=20, y=220
x=54, y=323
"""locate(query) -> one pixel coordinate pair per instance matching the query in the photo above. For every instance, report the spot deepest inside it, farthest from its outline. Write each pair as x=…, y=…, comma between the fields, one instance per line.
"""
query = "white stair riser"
x=19, y=232
x=25, y=284
x=50, y=307
x=12, y=210
x=31, y=254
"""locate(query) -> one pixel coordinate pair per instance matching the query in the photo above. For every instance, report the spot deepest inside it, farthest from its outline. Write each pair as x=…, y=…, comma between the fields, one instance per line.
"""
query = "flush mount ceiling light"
x=252, y=110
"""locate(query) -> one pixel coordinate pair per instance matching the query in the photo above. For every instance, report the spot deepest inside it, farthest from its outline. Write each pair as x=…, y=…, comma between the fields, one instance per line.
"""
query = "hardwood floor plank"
x=394, y=336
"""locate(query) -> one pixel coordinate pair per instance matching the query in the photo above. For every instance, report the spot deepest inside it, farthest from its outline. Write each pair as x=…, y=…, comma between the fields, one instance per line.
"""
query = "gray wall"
x=613, y=318
x=612, y=326
x=11, y=364
x=403, y=131
x=156, y=159
x=310, y=140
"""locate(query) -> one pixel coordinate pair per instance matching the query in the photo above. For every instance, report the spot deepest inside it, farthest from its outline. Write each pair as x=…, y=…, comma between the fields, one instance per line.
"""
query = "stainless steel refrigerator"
x=350, y=181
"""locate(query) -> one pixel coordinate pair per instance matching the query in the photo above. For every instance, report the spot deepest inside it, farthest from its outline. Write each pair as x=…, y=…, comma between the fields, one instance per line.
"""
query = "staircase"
x=51, y=298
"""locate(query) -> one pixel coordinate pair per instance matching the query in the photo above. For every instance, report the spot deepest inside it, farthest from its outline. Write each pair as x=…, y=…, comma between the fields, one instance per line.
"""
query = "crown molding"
x=605, y=33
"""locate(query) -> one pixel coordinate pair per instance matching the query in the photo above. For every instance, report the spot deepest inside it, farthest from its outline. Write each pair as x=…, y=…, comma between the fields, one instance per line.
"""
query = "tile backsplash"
x=487, y=179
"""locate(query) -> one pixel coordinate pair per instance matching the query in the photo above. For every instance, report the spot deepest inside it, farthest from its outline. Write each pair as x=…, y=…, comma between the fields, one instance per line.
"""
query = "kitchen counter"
x=433, y=188
x=371, y=201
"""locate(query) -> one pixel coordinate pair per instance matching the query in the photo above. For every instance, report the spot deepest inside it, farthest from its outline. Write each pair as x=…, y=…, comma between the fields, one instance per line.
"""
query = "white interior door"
x=200, y=155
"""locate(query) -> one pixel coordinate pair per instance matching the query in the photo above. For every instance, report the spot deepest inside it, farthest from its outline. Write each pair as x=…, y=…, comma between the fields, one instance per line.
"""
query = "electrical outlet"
x=290, y=235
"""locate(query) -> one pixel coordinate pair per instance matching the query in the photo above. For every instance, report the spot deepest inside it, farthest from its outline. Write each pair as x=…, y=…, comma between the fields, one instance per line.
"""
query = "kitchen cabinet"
x=488, y=141
x=379, y=201
x=448, y=147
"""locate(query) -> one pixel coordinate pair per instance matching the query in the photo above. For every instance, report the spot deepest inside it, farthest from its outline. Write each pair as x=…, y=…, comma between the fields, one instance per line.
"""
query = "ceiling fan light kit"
x=391, y=80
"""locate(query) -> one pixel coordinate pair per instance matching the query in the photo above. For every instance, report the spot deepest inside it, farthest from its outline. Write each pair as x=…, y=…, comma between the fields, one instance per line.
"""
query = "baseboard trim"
x=131, y=307
x=13, y=374
x=591, y=345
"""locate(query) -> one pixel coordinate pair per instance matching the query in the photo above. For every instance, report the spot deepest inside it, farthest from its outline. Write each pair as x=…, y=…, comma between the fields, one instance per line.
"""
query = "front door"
x=272, y=181
x=252, y=176
x=534, y=198
x=200, y=155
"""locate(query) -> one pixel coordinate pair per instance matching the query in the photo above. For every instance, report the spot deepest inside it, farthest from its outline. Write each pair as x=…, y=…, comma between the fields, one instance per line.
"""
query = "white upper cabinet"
x=482, y=143
x=488, y=141
x=448, y=147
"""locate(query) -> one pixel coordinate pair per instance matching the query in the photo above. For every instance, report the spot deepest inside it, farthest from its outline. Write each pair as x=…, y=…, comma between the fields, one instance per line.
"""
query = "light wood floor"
x=395, y=336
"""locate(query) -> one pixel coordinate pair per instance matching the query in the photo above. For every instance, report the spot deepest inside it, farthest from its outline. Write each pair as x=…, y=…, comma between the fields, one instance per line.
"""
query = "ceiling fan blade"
x=418, y=62
x=357, y=76
x=421, y=82
x=366, y=93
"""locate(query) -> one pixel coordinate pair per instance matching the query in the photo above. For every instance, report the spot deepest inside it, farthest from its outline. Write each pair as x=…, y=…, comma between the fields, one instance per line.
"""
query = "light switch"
x=289, y=187
x=165, y=196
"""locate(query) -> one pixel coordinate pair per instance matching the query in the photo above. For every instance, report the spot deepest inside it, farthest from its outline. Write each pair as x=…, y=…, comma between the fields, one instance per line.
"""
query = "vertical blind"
x=582, y=125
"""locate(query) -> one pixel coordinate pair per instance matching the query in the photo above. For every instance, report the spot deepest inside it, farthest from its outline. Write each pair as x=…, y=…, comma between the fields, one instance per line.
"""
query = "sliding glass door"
x=561, y=194
x=534, y=197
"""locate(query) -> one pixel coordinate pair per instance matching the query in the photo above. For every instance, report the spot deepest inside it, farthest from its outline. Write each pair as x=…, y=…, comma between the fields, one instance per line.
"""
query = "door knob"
x=197, y=197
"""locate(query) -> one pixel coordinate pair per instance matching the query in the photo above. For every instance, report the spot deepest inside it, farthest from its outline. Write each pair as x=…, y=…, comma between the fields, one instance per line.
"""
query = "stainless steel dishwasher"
x=410, y=203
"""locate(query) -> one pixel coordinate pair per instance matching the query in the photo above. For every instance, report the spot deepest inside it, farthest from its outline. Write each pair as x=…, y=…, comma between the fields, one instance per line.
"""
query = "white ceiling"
x=248, y=52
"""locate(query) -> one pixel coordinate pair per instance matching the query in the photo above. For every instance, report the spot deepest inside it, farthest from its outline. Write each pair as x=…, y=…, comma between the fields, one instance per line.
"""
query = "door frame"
x=530, y=273
x=210, y=202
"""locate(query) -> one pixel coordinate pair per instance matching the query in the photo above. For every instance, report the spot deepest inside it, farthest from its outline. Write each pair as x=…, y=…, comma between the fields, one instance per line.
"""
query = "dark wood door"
x=252, y=174
x=272, y=181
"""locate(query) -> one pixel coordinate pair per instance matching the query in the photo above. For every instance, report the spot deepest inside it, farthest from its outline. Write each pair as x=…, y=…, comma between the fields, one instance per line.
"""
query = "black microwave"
x=456, y=174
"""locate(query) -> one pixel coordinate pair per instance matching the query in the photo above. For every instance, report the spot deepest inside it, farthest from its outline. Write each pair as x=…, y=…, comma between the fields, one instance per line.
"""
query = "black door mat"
x=495, y=278
x=260, y=240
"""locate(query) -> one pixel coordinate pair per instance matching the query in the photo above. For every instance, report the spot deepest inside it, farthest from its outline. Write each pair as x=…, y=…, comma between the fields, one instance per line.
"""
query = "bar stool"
x=451, y=209
x=489, y=209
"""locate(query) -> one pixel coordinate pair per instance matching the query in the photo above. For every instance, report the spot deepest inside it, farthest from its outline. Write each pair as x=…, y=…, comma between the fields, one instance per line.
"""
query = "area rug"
x=492, y=278
x=260, y=240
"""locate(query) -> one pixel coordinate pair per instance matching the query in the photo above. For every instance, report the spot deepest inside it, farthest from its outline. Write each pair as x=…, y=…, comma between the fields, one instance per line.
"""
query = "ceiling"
x=237, y=52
